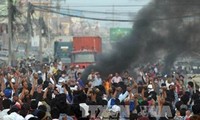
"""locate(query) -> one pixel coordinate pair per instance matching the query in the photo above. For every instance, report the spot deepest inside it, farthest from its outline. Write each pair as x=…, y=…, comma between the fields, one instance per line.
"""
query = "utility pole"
x=29, y=29
x=58, y=16
x=10, y=32
x=40, y=35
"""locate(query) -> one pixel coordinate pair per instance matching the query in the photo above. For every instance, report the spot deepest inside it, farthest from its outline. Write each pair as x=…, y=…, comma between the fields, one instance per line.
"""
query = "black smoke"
x=168, y=25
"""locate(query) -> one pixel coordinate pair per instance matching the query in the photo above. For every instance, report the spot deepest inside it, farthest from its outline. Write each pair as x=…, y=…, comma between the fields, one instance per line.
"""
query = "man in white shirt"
x=13, y=114
x=6, y=107
x=116, y=78
x=97, y=80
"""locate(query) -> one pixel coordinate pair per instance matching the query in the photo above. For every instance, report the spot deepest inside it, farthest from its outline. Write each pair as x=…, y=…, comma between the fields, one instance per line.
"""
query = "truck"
x=62, y=51
x=85, y=50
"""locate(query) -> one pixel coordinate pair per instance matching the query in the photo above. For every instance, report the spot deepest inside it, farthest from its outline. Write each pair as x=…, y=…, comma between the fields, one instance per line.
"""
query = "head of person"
x=196, y=109
x=79, y=74
x=190, y=85
x=55, y=113
x=172, y=86
x=24, y=109
x=6, y=103
x=14, y=108
x=25, y=84
x=116, y=74
x=98, y=74
x=34, y=104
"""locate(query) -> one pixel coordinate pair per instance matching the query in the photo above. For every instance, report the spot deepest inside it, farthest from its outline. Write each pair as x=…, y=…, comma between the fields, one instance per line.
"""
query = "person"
x=97, y=80
x=116, y=78
x=6, y=107
x=80, y=81
x=13, y=114
x=55, y=113
x=71, y=72
x=125, y=77
x=91, y=76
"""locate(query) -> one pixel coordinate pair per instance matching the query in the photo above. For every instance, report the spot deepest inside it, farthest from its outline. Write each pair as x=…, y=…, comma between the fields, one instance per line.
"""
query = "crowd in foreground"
x=57, y=92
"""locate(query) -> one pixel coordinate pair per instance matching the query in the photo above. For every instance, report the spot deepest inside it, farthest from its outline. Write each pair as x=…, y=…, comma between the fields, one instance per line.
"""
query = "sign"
x=116, y=34
x=35, y=41
x=3, y=8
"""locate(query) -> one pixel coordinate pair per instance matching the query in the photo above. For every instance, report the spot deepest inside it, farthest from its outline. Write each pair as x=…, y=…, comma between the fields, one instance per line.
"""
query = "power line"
x=117, y=20
x=91, y=18
x=87, y=11
x=139, y=5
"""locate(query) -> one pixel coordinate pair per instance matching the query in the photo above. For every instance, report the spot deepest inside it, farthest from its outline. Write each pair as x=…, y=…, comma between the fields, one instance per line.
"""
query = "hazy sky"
x=125, y=6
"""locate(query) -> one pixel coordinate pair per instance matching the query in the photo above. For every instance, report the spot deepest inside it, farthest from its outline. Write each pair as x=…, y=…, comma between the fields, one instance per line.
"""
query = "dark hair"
x=79, y=73
x=24, y=110
x=191, y=84
x=185, y=98
x=34, y=104
x=33, y=118
x=43, y=108
x=55, y=113
x=76, y=110
x=183, y=112
x=13, y=109
x=197, y=102
x=6, y=103
x=117, y=101
x=178, y=105
x=82, y=98
x=196, y=109
x=40, y=114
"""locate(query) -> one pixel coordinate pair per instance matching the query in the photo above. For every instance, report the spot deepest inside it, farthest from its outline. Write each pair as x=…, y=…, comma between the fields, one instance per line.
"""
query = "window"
x=84, y=57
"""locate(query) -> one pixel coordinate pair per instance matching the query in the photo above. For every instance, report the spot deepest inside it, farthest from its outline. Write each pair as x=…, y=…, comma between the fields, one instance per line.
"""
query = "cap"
x=13, y=80
x=172, y=83
x=150, y=86
x=39, y=72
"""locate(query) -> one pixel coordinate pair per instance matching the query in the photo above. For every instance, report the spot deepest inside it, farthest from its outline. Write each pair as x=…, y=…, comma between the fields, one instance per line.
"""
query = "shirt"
x=97, y=82
x=13, y=116
x=3, y=113
x=116, y=79
x=62, y=115
x=86, y=109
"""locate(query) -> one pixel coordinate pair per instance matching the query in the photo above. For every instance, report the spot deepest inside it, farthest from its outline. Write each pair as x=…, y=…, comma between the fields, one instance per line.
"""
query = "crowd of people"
x=58, y=92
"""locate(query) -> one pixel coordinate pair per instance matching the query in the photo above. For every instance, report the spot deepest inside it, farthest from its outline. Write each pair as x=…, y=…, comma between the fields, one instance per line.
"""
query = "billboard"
x=116, y=34
x=35, y=41
x=3, y=8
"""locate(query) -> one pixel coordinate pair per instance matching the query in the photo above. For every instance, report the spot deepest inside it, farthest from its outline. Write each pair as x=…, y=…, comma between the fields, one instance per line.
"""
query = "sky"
x=131, y=7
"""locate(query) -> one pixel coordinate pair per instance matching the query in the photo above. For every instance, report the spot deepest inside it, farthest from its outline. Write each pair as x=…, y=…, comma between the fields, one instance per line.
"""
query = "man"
x=116, y=78
x=13, y=114
x=97, y=80
x=6, y=107
x=191, y=88
x=80, y=81
x=71, y=72
x=55, y=113
x=125, y=77
x=91, y=76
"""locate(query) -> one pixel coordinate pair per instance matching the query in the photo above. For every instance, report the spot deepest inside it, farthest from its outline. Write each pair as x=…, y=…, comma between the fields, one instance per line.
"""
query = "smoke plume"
x=168, y=25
